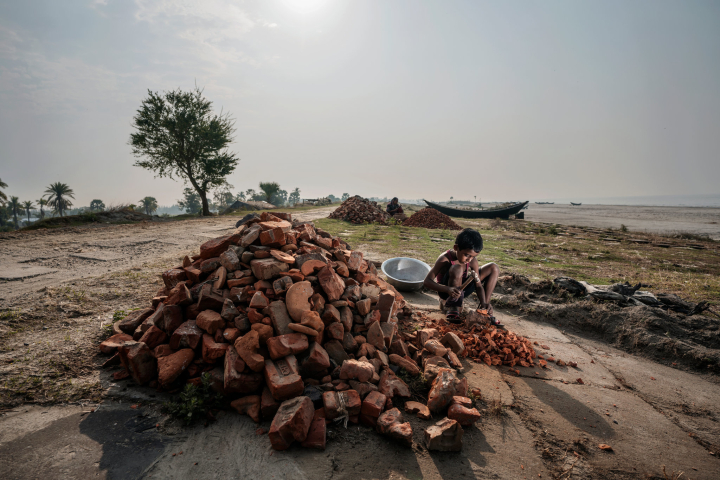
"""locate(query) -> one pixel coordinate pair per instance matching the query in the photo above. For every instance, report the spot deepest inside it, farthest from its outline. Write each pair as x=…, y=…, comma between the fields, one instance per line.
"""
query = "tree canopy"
x=97, y=204
x=149, y=204
x=3, y=197
x=190, y=202
x=177, y=135
x=269, y=189
x=294, y=197
x=58, y=196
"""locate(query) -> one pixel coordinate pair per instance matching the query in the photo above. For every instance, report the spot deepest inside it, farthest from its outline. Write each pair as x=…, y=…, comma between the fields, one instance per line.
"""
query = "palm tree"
x=269, y=189
x=41, y=203
x=28, y=205
x=3, y=197
x=58, y=194
x=15, y=208
x=149, y=204
x=97, y=204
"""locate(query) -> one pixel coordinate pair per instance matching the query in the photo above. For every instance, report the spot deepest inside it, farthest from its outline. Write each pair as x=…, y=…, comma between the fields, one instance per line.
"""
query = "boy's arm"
x=430, y=282
x=479, y=290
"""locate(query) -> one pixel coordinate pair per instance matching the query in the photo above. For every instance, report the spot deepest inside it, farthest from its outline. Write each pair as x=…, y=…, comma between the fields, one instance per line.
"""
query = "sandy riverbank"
x=699, y=220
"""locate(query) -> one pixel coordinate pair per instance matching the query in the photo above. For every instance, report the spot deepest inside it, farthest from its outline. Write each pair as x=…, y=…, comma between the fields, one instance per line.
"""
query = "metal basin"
x=405, y=274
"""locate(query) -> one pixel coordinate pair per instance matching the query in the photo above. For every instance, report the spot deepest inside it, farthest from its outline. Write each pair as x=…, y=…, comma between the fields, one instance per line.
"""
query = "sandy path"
x=32, y=260
x=699, y=220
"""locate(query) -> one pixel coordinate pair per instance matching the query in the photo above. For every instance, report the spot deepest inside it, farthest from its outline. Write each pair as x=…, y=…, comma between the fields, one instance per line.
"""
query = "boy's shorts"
x=466, y=293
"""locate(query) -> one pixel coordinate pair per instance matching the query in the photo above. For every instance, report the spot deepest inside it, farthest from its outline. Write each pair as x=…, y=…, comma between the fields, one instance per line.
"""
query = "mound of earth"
x=431, y=218
x=360, y=210
x=125, y=215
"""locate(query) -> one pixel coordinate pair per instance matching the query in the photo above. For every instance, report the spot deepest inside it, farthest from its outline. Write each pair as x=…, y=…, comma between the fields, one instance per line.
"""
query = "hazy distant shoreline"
x=642, y=218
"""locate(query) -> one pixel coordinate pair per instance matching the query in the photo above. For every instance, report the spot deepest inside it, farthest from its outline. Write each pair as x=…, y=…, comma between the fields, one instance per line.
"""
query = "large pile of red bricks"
x=430, y=218
x=360, y=210
x=293, y=327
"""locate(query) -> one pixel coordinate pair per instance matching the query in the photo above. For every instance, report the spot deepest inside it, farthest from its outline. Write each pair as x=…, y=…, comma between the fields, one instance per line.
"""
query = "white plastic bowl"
x=405, y=274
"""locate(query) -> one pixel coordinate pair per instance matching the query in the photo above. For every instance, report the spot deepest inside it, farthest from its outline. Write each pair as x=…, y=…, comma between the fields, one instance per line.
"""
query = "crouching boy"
x=454, y=267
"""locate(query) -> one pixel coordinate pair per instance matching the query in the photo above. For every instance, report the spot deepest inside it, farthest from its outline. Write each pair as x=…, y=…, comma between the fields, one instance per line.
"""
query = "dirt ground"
x=697, y=220
x=65, y=417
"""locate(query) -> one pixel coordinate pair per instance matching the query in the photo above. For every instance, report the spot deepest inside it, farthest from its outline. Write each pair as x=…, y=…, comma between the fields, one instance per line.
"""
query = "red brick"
x=385, y=305
x=418, y=408
x=216, y=246
x=463, y=415
x=354, y=261
x=170, y=367
x=281, y=284
x=231, y=334
x=134, y=319
x=317, y=434
x=391, y=385
x=453, y=342
x=335, y=331
x=331, y=283
x=284, y=345
x=246, y=347
x=249, y=406
x=234, y=380
x=187, y=335
x=172, y=318
x=111, y=345
x=435, y=347
x=153, y=337
x=274, y=237
x=445, y=436
x=173, y=276
x=163, y=351
x=139, y=360
x=267, y=268
x=193, y=273
x=212, y=351
x=282, y=378
x=296, y=299
x=210, y=321
x=356, y=370
x=230, y=260
x=268, y=405
x=291, y=423
x=445, y=386
x=363, y=306
x=209, y=299
x=264, y=331
x=210, y=265
x=373, y=404
x=407, y=363
x=338, y=404
x=259, y=301
x=375, y=336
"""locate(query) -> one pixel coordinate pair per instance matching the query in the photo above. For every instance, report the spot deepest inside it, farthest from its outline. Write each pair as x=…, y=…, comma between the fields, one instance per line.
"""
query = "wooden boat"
x=544, y=203
x=575, y=204
x=499, y=212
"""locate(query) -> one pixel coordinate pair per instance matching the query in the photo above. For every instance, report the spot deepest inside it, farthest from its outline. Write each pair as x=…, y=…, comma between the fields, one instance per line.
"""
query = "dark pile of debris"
x=431, y=218
x=292, y=326
x=624, y=295
x=360, y=210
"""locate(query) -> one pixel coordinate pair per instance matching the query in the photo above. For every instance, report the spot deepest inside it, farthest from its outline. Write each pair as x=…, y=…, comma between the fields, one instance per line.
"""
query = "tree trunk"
x=205, y=206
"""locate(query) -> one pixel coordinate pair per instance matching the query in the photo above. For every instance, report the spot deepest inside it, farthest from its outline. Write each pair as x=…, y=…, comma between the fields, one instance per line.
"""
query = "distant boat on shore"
x=544, y=203
x=575, y=204
x=502, y=211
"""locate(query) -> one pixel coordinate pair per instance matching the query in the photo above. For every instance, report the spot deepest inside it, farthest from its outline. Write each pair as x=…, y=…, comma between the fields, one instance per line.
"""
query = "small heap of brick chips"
x=430, y=218
x=291, y=326
x=487, y=344
x=360, y=210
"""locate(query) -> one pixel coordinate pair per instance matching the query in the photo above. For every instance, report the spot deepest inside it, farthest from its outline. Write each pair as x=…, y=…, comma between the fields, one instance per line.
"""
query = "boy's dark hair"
x=469, y=238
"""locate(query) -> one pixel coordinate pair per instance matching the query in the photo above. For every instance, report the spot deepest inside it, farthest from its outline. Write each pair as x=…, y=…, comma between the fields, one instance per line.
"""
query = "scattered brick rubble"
x=295, y=328
x=360, y=210
x=431, y=218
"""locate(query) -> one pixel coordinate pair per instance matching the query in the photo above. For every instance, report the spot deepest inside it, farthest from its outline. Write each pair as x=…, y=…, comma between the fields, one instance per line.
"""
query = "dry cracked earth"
x=63, y=416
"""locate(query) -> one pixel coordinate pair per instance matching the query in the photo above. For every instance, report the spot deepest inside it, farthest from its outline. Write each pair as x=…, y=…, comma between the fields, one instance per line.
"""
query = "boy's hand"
x=487, y=307
x=454, y=292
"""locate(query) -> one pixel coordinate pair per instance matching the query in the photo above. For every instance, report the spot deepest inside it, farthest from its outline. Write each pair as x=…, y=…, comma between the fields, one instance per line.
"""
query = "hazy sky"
x=502, y=100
